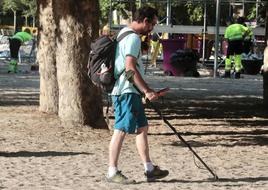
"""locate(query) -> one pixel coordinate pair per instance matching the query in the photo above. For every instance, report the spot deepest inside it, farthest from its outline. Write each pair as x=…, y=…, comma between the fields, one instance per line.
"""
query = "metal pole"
x=257, y=11
x=243, y=8
x=266, y=22
x=110, y=17
x=204, y=33
x=230, y=10
x=168, y=12
x=216, y=38
x=181, y=138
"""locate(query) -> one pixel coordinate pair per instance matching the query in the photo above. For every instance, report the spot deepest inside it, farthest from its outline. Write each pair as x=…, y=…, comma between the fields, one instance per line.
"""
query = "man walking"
x=234, y=34
x=129, y=112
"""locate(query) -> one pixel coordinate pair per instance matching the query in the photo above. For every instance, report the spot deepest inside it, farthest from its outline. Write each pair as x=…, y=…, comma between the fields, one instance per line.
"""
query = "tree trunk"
x=26, y=20
x=33, y=21
x=47, y=58
x=77, y=26
x=15, y=21
x=265, y=76
x=265, y=64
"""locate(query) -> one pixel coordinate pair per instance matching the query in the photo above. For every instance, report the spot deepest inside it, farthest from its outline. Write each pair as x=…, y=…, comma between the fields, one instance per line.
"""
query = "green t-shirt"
x=235, y=32
x=22, y=36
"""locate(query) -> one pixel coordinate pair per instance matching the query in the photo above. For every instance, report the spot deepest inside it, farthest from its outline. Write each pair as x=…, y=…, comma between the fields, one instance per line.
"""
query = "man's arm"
x=131, y=64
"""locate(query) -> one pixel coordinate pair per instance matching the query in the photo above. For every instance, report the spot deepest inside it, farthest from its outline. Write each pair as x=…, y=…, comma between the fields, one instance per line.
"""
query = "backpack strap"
x=118, y=39
x=123, y=35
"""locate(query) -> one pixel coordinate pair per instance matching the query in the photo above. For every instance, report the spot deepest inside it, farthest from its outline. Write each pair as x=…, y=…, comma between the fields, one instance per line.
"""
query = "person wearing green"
x=235, y=34
x=14, y=45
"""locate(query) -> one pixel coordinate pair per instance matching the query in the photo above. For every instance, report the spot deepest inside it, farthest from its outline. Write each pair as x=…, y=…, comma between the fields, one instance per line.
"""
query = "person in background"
x=154, y=40
x=129, y=112
x=145, y=45
x=105, y=30
x=235, y=34
x=14, y=45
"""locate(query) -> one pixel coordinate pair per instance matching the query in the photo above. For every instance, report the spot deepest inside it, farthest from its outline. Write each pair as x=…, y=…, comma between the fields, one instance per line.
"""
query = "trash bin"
x=185, y=61
x=252, y=67
x=169, y=47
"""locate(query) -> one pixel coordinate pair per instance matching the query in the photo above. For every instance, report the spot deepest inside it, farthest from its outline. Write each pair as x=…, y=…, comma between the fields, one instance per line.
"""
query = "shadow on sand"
x=40, y=154
x=220, y=180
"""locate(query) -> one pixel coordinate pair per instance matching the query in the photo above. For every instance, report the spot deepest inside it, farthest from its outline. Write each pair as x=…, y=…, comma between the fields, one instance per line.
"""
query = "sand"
x=222, y=119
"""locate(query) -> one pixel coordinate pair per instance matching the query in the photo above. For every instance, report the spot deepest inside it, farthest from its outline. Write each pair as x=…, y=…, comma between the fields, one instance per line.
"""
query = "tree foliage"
x=195, y=11
x=105, y=11
x=189, y=12
x=124, y=9
x=29, y=7
x=11, y=5
x=26, y=8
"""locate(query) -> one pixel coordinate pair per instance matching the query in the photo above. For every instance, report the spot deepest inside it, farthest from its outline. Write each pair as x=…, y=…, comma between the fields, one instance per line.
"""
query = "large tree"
x=265, y=61
x=66, y=31
x=49, y=94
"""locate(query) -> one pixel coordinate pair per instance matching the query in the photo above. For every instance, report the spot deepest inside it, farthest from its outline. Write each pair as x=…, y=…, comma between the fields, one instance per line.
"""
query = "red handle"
x=163, y=91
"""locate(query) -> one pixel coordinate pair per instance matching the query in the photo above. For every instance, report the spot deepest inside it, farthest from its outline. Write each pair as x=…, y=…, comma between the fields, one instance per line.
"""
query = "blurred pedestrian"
x=15, y=43
x=235, y=34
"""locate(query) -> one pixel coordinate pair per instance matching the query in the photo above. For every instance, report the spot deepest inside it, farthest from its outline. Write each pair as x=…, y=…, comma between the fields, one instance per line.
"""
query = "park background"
x=49, y=117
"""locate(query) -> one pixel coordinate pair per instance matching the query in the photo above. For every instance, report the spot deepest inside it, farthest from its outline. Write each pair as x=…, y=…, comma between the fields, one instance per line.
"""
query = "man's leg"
x=115, y=147
x=12, y=67
x=228, y=66
x=151, y=172
x=114, y=175
x=14, y=45
x=142, y=144
x=228, y=60
x=123, y=124
x=143, y=148
x=238, y=66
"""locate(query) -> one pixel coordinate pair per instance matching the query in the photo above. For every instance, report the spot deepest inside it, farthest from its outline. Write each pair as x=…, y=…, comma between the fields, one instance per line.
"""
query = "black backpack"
x=102, y=59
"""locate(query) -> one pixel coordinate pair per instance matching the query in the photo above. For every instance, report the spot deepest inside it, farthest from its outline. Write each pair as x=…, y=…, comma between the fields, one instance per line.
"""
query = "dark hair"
x=27, y=30
x=240, y=20
x=145, y=12
x=155, y=37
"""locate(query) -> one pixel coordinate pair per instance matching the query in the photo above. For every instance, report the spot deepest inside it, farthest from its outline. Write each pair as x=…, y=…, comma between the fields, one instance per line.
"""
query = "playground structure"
x=6, y=30
x=207, y=37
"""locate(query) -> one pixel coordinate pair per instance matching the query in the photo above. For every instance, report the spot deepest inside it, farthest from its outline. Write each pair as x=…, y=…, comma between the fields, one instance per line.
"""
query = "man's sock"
x=112, y=171
x=148, y=166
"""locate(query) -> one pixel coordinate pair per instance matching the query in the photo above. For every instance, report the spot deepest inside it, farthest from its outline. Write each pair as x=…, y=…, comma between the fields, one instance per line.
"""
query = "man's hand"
x=151, y=95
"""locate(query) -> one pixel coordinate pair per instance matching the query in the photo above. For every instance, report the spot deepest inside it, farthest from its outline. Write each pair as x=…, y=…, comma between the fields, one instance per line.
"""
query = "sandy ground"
x=222, y=119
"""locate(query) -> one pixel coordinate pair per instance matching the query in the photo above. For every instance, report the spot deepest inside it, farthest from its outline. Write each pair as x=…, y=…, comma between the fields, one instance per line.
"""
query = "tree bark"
x=265, y=64
x=77, y=26
x=265, y=89
x=15, y=21
x=47, y=58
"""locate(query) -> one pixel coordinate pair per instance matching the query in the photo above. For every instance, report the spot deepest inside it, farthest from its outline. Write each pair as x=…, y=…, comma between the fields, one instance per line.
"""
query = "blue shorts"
x=129, y=112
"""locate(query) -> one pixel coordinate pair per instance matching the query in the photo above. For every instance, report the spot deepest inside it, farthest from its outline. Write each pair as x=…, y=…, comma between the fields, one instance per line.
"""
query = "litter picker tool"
x=162, y=92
